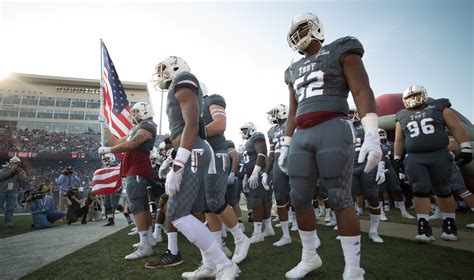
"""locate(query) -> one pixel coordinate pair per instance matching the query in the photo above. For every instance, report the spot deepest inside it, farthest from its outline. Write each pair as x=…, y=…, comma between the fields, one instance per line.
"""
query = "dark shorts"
x=429, y=172
x=281, y=183
x=325, y=152
x=456, y=181
x=190, y=198
x=216, y=184
x=136, y=193
x=364, y=183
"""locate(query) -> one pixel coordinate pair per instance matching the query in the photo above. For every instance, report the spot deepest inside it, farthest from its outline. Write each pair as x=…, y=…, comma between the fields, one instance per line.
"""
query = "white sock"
x=308, y=239
x=422, y=216
x=448, y=215
x=321, y=208
x=237, y=232
x=374, y=222
x=217, y=256
x=173, y=242
x=195, y=231
x=267, y=223
x=351, y=249
x=157, y=229
x=257, y=227
x=315, y=212
x=207, y=261
x=144, y=238
x=217, y=235
x=290, y=216
x=150, y=232
x=285, y=229
x=401, y=206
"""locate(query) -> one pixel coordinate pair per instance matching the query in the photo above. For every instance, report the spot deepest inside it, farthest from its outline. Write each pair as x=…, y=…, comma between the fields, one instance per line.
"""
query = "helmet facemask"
x=382, y=135
x=309, y=25
x=414, y=96
x=161, y=78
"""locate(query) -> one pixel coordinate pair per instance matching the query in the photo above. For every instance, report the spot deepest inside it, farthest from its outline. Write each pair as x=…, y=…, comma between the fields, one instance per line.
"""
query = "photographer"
x=11, y=175
x=40, y=205
x=65, y=181
x=75, y=211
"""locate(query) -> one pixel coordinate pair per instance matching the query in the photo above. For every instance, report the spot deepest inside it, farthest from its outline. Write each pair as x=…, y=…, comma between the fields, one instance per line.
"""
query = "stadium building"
x=52, y=121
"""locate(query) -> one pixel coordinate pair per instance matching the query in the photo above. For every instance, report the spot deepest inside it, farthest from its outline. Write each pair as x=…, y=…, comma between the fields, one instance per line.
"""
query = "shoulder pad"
x=230, y=144
x=216, y=99
x=442, y=103
x=186, y=78
x=258, y=136
x=148, y=125
x=399, y=114
x=347, y=45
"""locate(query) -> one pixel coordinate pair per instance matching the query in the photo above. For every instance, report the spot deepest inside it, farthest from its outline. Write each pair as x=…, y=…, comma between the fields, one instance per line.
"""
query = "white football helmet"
x=108, y=159
x=278, y=112
x=382, y=134
x=303, y=22
x=141, y=111
x=167, y=70
x=414, y=96
x=247, y=129
x=154, y=156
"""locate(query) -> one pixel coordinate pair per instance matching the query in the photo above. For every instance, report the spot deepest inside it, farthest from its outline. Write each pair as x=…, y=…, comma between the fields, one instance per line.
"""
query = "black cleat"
x=110, y=223
x=450, y=230
x=166, y=260
x=425, y=233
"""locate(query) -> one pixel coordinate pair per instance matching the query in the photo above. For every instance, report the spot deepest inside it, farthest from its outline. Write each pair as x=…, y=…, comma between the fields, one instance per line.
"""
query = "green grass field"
x=396, y=259
x=21, y=224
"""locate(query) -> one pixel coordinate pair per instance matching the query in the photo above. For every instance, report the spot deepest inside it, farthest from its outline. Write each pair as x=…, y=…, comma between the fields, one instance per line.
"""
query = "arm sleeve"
x=216, y=99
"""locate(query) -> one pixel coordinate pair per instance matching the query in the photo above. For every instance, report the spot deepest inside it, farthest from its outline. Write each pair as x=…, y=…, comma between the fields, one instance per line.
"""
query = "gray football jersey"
x=424, y=127
x=230, y=144
x=387, y=148
x=319, y=80
x=217, y=142
x=250, y=155
x=276, y=134
x=173, y=110
x=148, y=125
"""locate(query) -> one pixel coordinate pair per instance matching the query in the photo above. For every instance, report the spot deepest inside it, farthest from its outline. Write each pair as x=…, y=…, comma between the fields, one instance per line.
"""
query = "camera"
x=67, y=171
x=30, y=196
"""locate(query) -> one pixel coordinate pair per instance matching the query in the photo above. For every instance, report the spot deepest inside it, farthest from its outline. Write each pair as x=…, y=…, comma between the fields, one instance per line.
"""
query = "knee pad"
x=299, y=200
x=421, y=194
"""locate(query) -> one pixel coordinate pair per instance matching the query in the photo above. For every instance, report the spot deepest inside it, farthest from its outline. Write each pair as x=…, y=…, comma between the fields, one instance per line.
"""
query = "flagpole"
x=101, y=95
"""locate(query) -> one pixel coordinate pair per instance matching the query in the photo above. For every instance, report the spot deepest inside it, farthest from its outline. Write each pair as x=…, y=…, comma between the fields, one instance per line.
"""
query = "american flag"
x=116, y=105
x=106, y=180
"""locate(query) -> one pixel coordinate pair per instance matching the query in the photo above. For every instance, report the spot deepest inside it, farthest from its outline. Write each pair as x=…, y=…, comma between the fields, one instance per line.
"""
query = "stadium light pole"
x=162, y=92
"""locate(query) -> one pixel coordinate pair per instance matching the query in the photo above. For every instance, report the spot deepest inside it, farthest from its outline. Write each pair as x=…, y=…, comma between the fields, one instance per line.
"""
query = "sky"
x=239, y=48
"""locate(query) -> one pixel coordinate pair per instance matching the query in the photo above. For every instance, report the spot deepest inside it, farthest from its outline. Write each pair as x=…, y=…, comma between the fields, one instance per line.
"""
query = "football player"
x=192, y=161
x=233, y=186
x=420, y=132
x=255, y=153
x=136, y=168
x=323, y=144
x=277, y=117
x=368, y=184
x=215, y=185
x=392, y=183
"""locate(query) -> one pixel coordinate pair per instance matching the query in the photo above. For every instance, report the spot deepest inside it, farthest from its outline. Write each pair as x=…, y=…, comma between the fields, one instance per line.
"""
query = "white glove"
x=104, y=150
x=164, y=168
x=283, y=159
x=173, y=182
x=380, y=177
x=253, y=181
x=103, y=122
x=370, y=149
x=231, y=178
x=265, y=181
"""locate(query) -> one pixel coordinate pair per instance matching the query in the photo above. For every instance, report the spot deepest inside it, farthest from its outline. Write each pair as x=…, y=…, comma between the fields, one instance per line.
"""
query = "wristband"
x=256, y=169
x=286, y=141
x=263, y=155
x=465, y=147
x=182, y=156
x=370, y=123
x=397, y=157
